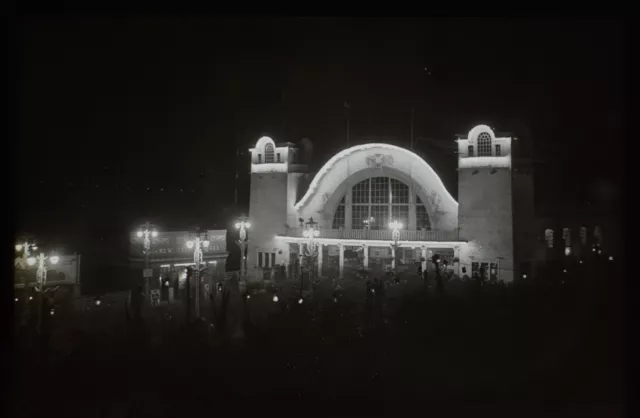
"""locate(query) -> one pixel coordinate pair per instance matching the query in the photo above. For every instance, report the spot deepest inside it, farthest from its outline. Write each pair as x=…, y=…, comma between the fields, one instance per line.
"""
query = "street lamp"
x=146, y=232
x=197, y=244
x=310, y=232
x=41, y=273
x=243, y=224
x=395, y=226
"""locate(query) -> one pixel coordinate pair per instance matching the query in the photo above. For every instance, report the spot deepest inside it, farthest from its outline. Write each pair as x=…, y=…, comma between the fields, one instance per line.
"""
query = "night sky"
x=123, y=120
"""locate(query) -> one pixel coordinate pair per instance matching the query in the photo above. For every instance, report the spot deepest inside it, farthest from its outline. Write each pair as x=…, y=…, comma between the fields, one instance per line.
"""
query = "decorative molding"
x=378, y=160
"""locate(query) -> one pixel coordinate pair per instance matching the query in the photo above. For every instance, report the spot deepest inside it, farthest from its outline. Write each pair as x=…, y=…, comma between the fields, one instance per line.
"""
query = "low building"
x=65, y=275
x=170, y=257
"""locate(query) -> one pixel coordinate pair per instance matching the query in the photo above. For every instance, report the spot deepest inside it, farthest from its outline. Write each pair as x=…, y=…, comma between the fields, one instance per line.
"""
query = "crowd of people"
x=398, y=341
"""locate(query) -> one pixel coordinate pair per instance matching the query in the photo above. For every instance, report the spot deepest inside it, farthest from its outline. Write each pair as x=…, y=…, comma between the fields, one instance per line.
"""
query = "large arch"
x=356, y=163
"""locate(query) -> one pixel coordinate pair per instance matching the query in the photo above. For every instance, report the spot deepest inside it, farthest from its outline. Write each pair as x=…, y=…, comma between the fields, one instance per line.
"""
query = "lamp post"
x=243, y=224
x=310, y=232
x=41, y=273
x=197, y=244
x=395, y=226
x=146, y=232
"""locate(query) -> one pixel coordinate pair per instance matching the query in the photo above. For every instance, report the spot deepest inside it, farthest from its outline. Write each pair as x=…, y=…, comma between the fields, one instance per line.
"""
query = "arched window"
x=268, y=153
x=484, y=145
x=378, y=200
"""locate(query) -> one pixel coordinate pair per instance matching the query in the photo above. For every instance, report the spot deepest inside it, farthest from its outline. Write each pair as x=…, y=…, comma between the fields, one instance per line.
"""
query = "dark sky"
x=127, y=119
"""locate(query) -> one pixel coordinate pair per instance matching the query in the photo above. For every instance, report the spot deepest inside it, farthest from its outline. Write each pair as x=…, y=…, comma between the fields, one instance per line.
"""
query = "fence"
x=383, y=235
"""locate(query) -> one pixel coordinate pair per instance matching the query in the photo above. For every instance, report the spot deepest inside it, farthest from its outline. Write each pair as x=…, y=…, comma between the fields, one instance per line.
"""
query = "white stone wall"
x=486, y=220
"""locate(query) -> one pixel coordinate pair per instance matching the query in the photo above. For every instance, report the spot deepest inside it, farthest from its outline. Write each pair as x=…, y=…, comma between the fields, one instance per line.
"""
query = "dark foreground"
x=552, y=351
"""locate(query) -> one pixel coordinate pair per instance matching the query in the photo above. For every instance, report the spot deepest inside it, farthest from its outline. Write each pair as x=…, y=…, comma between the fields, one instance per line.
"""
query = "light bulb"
x=206, y=243
x=30, y=297
x=300, y=301
x=610, y=258
x=18, y=247
x=237, y=225
x=54, y=259
x=139, y=234
x=247, y=225
x=189, y=244
x=16, y=299
x=248, y=296
x=275, y=298
x=52, y=312
x=31, y=261
x=98, y=302
x=154, y=233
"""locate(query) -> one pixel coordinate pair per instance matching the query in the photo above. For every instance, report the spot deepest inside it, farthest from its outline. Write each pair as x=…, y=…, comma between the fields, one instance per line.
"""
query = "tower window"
x=498, y=151
x=268, y=153
x=470, y=151
x=259, y=158
x=484, y=145
x=278, y=157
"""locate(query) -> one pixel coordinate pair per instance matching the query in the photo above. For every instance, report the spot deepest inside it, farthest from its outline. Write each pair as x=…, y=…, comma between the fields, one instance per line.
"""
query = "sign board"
x=147, y=273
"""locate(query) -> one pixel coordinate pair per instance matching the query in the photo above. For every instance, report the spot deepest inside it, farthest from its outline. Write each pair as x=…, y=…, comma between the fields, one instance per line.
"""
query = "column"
x=456, y=254
x=365, y=250
x=341, y=263
x=393, y=256
x=424, y=255
x=319, y=260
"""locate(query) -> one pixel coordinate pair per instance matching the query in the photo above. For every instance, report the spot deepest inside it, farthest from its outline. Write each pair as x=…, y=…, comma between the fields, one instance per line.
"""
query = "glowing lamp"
x=247, y=225
x=35, y=247
x=18, y=247
x=564, y=270
x=300, y=301
x=16, y=299
x=190, y=244
x=205, y=243
x=52, y=312
x=30, y=297
x=248, y=296
x=139, y=234
x=610, y=258
x=524, y=276
x=54, y=259
x=166, y=283
x=237, y=225
x=31, y=261
x=580, y=261
x=275, y=298
x=98, y=302
x=316, y=233
x=154, y=233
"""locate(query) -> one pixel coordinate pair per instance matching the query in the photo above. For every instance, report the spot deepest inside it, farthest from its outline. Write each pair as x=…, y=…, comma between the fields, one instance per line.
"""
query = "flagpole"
x=412, y=122
x=347, y=107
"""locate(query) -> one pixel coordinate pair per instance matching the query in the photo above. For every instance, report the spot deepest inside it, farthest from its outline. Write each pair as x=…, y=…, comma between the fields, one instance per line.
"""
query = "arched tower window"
x=484, y=145
x=268, y=153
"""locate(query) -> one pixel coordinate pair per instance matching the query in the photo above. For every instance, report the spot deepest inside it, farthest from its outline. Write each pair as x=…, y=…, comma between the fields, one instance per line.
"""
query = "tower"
x=275, y=179
x=485, y=199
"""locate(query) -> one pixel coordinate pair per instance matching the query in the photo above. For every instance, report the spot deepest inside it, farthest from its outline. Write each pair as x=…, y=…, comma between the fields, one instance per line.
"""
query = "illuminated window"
x=338, y=218
x=470, y=150
x=498, y=151
x=484, y=145
x=548, y=235
x=268, y=153
x=422, y=217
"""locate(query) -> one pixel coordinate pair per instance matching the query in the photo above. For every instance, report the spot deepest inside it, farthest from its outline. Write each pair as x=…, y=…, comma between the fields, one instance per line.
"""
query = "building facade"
x=359, y=191
x=169, y=258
